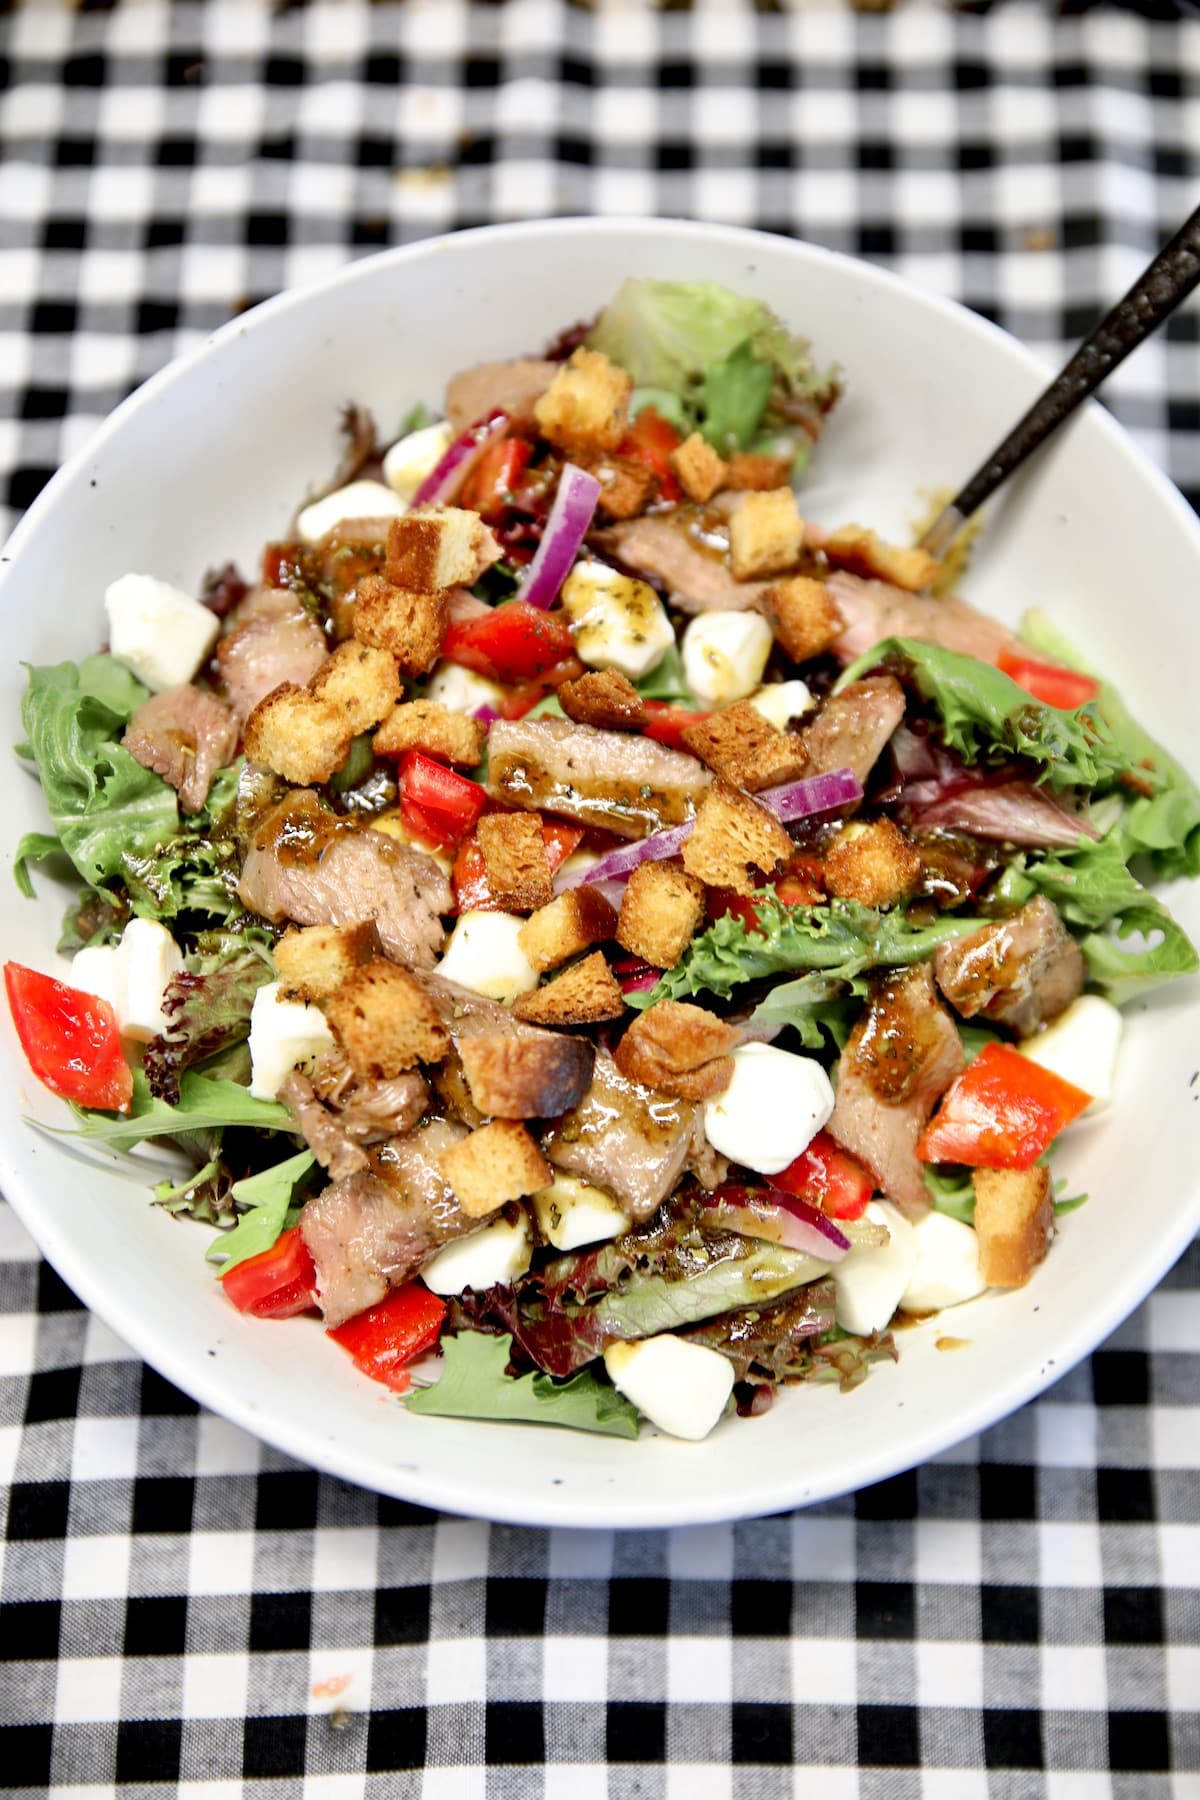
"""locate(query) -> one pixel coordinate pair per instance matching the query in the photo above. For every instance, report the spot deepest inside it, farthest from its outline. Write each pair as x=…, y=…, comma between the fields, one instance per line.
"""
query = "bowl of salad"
x=559, y=967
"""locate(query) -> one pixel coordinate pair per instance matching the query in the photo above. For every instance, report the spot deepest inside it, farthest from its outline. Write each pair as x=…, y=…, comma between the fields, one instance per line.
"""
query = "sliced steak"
x=1006, y=812
x=305, y=864
x=630, y=785
x=686, y=552
x=899, y=1060
x=626, y=1138
x=874, y=610
x=271, y=640
x=329, y=1142
x=852, y=728
x=185, y=735
x=513, y=387
x=339, y=1113
x=501, y=1068
x=1020, y=972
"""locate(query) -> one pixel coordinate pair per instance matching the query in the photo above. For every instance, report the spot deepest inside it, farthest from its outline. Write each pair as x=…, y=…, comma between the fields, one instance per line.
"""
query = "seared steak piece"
x=272, y=639
x=626, y=1138
x=630, y=785
x=1020, y=972
x=338, y=1113
x=899, y=1060
x=185, y=735
x=874, y=610
x=328, y=1140
x=852, y=728
x=514, y=387
x=501, y=1068
x=686, y=552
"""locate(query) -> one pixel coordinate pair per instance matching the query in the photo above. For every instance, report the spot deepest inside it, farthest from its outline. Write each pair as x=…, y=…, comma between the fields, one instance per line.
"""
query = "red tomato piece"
x=828, y=1177
x=277, y=1283
x=489, y=488
x=71, y=1040
x=1047, y=682
x=650, y=439
x=382, y=1340
x=666, y=724
x=513, y=642
x=435, y=802
x=1002, y=1113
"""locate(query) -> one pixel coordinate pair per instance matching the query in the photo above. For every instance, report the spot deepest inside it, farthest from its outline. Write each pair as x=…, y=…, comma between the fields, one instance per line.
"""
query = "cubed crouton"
x=603, y=697
x=782, y=759
x=385, y=1021
x=725, y=739
x=874, y=863
x=360, y=681
x=700, y=470
x=425, y=725
x=1014, y=1222
x=312, y=962
x=514, y=856
x=679, y=1049
x=802, y=616
x=587, y=403
x=626, y=486
x=661, y=910
x=439, y=547
x=582, y=995
x=766, y=534
x=533, y=1075
x=855, y=548
x=732, y=835
x=298, y=735
x=410, y=626
x=571, y=923
x=493, y=1165
x=751, y=472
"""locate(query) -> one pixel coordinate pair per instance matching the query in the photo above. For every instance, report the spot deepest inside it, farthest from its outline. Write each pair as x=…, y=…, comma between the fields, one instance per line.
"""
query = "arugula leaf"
x=952, y=1192
x=474, y=1385
x=266, y=1198
x=736, y=391
x=203, y=1105
x=204, y=1195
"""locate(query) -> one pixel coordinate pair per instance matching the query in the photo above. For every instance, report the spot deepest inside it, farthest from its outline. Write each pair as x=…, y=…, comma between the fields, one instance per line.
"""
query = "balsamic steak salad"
x=578, y=915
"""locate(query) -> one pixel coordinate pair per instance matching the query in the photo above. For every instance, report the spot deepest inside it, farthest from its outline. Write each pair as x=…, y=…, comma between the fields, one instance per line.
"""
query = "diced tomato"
x=798, y=889
x=385, y=1338
x=471, y=889
x=521, y=697
x=666, y=724
x=277, y=1283
x=71, y=1040
x=650, y=439
x=828, y=1177
x=514, y=642
x=803, y=884
x=1002, y=1113
x=1047, y=682
x=489, y=488
x=435, y=802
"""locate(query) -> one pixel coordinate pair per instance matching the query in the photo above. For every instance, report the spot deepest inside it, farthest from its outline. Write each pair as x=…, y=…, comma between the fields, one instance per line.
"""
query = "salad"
x=603, y=943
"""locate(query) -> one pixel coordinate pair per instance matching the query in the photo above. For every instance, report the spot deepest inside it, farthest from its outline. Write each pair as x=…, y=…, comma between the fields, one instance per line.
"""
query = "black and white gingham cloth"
x=184, y=1610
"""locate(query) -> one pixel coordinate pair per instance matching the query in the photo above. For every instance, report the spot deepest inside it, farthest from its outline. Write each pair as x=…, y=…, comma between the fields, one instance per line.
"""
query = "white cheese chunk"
x=570, y=1212
x=1081, y=1046
x=947, y=1271
x=158, y=631
x=871, y=1283
x=724, y=655
x=682, y=1388
x=359, y=500
x=462, y=690
x=483, y=954
x=772, y=1109
x=97, y=969
x=617, y=622
x=132, y=976
x=779, y=702
x=498, y=1253
x=416, y=455
x=283, y=1034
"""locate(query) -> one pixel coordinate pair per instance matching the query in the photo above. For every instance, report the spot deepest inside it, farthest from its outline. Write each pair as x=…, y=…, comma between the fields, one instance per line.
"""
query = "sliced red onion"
x=485, y=712
x=638, y=981
x=620, y=863
x=566, y=528
x=819, y=793
x=779, y=1218
x=447, y=476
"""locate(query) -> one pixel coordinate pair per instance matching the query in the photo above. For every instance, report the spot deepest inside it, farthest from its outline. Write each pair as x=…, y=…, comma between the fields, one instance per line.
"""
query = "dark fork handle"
x=1157, y=291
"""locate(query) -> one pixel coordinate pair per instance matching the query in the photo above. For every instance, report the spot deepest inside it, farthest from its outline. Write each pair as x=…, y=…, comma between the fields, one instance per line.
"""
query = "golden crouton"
x=360, y=681
x=700, y=470
x=582, y=995
x=679, y=1049
x=746, y=748
x=603, y=697
x=312, y=962
x=874, y=863
x=1014, y=1222
x=424, y=725
x=495, y=1164
x=571, y=923
x=751, y=472
x=626, y=486
x=408, y=625
x=661, y=910
x=385, y=1021
x=587, y=403
x=766, y=534
x=439, y=547
x=802, y=616
x=299, y=736
x=732, y=835
x=514, y=857
x=855, y=548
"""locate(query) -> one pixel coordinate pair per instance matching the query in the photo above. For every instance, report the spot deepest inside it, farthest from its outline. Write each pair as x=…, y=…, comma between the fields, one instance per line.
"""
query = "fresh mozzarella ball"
x=1082, y=1046
x=682, y=1388
x=283, y=1033
x=772, y=1109
x=483, y=954
x=96, y=969
x=360, y=500
x=947, y=1270
x=871, y=1283
x=498, y=1253
x=462, y=690
x=570, y=1212
x=724, y=655
x=781, y=701
x=616, y=621
x=151, y=957
x=158, y=631
x=415, y=456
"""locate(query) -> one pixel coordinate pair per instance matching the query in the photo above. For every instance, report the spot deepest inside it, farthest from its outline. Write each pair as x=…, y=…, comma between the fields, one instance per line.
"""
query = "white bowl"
x=209, y=459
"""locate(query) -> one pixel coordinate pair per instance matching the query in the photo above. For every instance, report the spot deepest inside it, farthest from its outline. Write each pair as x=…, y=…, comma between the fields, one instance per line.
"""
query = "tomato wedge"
x=490, y=486
x=436, y=803
x=277, y=1283
x=666, y=724
x=1053, y=686
x=1002, y=1113
x=382, y=1340
x=71, y=1040
x=471, y=889
x=828, y=1177
x=650, y=440
x=513, y=642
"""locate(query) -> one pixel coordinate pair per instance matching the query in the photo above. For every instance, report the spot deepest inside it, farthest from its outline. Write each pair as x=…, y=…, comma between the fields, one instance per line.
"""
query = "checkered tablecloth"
x=182, y=1608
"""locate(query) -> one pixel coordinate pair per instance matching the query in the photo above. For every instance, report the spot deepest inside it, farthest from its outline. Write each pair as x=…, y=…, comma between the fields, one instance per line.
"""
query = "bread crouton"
x=410, y=626
x=514, y=857
x=751, y=472
x=860, y=551
x=732, y=835
x=1014, y=1222
x=725, y=739
x=679, y=1049
x=385, y=1021
x=603, y=697
x=360, y=681
x=493, y=1165
x=626, y=486
x=766, y=534
x=536, y=1075
x=874, y=864
x=587, y=403
x=582, y=995
x=425, y=725
x=802, y=616
x=700, y=470
x=439, y=547
x=571, y=923
x=661, y=910
x=313, y=961
x=298, y=735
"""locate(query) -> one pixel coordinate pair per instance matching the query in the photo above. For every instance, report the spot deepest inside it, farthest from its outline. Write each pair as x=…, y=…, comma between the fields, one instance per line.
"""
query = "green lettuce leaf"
x=203, y=1105
x=110, y=682
x=474, y=1385
x=736, y=391
x=666, y=681
x=813, y=1005
x=266, y=1198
